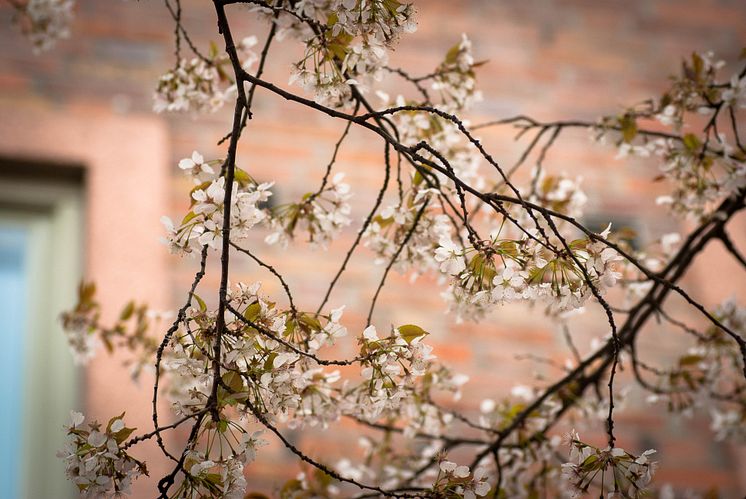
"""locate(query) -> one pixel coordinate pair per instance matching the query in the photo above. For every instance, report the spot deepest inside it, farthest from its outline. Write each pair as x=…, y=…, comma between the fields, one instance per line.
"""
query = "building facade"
x=87, y=169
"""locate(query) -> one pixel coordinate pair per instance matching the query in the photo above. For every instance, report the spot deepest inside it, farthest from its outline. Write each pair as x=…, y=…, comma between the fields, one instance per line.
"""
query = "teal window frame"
x=51, y=215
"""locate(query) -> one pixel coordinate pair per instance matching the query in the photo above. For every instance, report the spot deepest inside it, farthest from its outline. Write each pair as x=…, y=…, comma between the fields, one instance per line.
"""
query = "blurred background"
x=87, y=169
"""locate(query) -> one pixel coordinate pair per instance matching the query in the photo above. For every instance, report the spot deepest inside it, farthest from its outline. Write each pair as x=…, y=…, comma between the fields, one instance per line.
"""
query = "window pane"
x=13, y=284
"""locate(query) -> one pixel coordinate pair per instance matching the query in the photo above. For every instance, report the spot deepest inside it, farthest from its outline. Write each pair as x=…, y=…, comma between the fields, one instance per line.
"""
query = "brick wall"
x=548, y=59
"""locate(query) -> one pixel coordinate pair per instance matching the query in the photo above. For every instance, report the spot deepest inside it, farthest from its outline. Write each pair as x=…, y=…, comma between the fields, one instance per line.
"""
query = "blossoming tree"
x=259, y=365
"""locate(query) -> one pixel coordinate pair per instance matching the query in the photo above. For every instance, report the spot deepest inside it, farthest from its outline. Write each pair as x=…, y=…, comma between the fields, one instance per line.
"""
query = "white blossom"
x=45, y=22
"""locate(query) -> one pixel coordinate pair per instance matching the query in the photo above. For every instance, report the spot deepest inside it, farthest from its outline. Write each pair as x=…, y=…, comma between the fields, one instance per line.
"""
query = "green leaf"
x=243, y=177
x=410, y=332
x=188, y=217
x=383, y=222
x=223, y=75
x=577, y=244
x=337, y=47
x=233, y=394
x=200, y=302
x=252, y=311
x=332, y=20
x=214, y=478
x=689, y=360
x=127, y=311
x=392, y=6
x=291, y=486
x=452, y=54
x=691, y=142
x=507, y=248
x=549, y=183
x=310, y=322
x=323, y=478
x=514, y=410
x=697, y=64
x=590, y=460
x=290, y=326
x=417, y=180
x=107, y=343
x=233, y=381
x=629, y=128
x=536, y=275
x=270, y=362
x=123, y=434
x=86, y=291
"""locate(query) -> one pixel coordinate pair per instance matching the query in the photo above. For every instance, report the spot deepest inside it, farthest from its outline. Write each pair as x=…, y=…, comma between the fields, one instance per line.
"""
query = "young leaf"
x=200, y=302
x=410, y=332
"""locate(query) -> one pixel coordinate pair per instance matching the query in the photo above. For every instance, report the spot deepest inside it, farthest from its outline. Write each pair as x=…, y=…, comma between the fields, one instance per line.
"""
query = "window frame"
x=51, y=212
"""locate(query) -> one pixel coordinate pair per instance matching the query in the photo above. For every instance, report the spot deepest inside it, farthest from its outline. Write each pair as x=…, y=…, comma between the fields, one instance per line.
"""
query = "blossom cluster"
x=270, y=367
x=218, y=471
x=44, y=22
x=203, y=224
x=455, y=80
x=459, y=481
x=703, y=168
x=709, y=376
x=399, y=229
x=192, y=85
x=85, y=332
x=322, y=215
x=81, y=323
x=559, y=193
x=96, y=460
x=520, y=477
x=655, y=256
x=199, y=84
x=499, y=415
x=389, y=367
x=508, y=270
x=628, y=475
x=692, y=91
x=703, y=174
x=440, y=133
x=346, y=42
x=413, y=226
